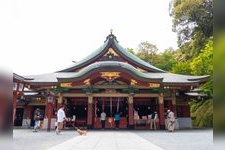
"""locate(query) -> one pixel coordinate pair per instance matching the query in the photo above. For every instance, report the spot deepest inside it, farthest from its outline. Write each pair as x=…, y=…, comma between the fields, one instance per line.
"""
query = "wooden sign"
x=154, y=85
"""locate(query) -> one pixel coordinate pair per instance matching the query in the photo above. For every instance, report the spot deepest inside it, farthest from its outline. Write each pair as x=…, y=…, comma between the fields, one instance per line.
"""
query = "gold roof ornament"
x=110, y=76
x=87, y=81
x=112, y=52
x=133, y=82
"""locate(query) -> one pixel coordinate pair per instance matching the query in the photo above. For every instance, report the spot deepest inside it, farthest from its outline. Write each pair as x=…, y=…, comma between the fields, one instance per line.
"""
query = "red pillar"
x=131, y=112
x=49, y=111
x=175, y=109
x=28, y=112
x=174, y=104
x=15, y=95
x=185, y=111
x=161, y=112
x=90, y=112
x=3, y=112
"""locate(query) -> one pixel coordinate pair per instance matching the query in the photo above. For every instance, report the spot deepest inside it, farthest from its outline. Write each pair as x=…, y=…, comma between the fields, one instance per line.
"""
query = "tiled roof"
x=112, y=42
x=114, y=65
x=177, y=78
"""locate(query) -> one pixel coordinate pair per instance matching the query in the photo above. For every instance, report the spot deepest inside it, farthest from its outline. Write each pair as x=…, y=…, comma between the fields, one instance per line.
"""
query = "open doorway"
x=19, y=117
x=111, y=105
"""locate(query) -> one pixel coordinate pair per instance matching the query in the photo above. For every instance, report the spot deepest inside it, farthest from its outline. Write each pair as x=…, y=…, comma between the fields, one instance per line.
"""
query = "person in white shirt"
x=60, y=118
x=171, y=120
x=103, y=118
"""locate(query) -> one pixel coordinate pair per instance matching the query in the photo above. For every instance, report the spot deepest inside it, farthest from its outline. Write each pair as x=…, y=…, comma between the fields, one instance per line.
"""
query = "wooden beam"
x=146, y=95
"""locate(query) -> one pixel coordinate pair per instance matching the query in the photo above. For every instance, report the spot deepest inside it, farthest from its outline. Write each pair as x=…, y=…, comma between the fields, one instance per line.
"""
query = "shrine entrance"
x=111, y=106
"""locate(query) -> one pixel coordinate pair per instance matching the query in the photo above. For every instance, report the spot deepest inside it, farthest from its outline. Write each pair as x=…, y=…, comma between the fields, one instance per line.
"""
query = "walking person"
x=60, y=119
x=171, y=121
x=103, y=118
x=37, y=117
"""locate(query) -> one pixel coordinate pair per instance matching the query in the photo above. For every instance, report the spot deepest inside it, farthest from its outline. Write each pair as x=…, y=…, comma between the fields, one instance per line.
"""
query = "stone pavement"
x=188, y=139
x=107, y=141
x=25, y=139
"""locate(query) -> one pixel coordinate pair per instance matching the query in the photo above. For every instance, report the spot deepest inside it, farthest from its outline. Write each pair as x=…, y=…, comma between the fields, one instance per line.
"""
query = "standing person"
x=155, y=120
x=152, y=122
x=171, y=121
x=117, y=120
x=37, y=117
x=103, y=117
x=60, y=118
x=136, y=117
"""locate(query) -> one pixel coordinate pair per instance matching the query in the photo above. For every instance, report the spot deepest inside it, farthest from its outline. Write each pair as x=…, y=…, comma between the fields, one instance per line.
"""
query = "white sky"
x=42, y=36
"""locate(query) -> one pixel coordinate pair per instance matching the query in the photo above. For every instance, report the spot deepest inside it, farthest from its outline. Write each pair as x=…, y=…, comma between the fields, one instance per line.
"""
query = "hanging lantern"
x=50, y=99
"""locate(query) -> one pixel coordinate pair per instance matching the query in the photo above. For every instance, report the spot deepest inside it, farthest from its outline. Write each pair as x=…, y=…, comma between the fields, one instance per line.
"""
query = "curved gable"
x=112, y=51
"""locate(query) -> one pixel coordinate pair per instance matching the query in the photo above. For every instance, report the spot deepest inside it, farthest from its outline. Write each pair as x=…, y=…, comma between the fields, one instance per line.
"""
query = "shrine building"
x=110, y=79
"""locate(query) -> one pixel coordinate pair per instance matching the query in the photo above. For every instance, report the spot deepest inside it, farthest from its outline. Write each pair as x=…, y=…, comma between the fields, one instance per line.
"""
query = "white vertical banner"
x=118, y=105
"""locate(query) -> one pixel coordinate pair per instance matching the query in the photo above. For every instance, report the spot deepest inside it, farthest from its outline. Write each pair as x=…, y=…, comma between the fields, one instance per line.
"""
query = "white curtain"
x=111, y=106
x=118, y=105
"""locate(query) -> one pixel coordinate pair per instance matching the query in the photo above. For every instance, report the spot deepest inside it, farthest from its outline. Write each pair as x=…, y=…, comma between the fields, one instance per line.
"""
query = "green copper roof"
x=112, y=42
x=55, y=78
x=135, y=59
x=90, y=65
x=106, y=66
x=87, y=59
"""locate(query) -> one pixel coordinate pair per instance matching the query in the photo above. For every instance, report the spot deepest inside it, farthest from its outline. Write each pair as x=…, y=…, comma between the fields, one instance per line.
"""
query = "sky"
x=44, y=36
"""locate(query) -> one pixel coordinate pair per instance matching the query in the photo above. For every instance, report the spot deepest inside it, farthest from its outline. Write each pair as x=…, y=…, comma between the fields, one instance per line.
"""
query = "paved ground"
x=181, y=139
x=25, y=139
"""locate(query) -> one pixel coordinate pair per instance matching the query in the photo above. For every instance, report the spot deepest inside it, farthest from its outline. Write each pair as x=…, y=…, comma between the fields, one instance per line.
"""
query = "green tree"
x=192, y=17
x=182, y=68
x=203, y=64
x=166, y=60
x=147, y=52
x=202, y=113
x=131, y=50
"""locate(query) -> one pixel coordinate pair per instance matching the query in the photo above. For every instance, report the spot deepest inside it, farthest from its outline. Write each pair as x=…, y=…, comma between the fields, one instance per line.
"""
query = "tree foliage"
x=147, y=52
x=182, y=68
x=202, y=113
x=131, y=50
x=166, y=60
x=203, y=64
x=192, y=17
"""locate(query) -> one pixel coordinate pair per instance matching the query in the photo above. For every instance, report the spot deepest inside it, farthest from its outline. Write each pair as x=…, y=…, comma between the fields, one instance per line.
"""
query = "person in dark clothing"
x=37, y=117
x=154, y=120
x=117, y=120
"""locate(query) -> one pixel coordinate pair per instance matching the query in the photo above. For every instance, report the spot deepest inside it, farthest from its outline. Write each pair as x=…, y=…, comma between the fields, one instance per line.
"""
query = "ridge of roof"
x=111, y=41
x=19, y=77
x=136, y=60
x=103, y=65
x=89, y=57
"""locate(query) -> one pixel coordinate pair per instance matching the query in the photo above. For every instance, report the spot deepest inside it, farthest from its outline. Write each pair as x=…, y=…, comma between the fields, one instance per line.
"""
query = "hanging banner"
x=118, y=105
x=111, y=106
